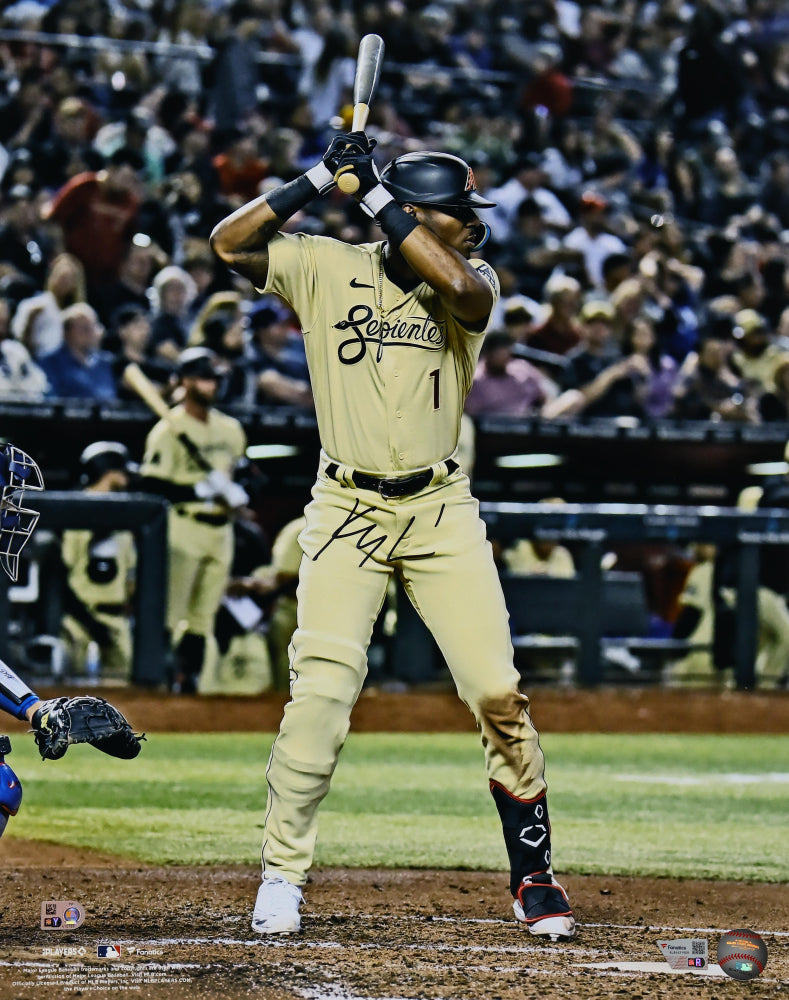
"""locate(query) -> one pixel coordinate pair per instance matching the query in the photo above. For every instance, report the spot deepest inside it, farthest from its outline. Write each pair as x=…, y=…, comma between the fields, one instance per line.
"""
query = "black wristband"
x=287, y=200
x=396, y=223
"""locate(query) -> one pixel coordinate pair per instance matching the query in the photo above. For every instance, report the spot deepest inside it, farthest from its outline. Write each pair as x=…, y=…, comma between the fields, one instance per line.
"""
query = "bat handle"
x=345, y=179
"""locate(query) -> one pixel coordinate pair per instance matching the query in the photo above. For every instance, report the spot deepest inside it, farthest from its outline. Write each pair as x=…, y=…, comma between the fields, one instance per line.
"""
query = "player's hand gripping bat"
x=137, y=380
x=368, y=71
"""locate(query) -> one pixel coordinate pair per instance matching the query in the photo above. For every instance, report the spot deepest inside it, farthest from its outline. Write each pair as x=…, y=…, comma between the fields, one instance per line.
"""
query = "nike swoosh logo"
x=358, y=284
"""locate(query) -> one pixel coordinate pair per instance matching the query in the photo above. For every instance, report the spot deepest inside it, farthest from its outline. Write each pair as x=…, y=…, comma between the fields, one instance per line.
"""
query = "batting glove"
x=346, y=143
x=363, y=166
x=214, y=485
x=321, y=176
x=234, y=496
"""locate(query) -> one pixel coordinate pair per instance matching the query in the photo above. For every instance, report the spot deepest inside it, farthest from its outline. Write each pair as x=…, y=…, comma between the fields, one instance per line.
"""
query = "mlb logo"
x=108, y=950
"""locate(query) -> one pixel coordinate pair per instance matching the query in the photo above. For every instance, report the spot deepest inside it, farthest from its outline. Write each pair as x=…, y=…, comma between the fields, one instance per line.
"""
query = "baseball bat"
x=137, y=380
x=368, y=71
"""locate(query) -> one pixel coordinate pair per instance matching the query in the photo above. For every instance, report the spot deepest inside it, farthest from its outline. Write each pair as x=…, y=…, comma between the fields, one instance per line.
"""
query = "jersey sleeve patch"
x=488, y=274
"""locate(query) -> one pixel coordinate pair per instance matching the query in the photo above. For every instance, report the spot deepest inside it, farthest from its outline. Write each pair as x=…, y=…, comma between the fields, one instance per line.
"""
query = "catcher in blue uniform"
x=59, y=722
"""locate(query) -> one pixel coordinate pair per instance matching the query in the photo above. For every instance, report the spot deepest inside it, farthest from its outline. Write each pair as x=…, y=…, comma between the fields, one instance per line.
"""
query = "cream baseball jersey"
x=390, y=369
x=221, y=441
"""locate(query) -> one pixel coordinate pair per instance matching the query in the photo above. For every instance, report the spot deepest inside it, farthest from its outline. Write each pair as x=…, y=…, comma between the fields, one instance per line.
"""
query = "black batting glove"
x=363, y=166
x=346, y=142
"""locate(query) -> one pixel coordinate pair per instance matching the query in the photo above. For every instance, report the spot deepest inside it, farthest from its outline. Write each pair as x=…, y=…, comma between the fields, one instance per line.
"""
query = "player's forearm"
x=464, y=292
x=245, y=233
x=241, y=240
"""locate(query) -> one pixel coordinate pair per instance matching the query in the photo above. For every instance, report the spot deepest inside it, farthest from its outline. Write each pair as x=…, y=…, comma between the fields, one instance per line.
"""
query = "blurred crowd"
x=638, y=153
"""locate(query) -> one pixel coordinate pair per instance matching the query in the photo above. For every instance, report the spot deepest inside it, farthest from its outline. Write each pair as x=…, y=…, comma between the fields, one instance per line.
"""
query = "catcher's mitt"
x=60, y=722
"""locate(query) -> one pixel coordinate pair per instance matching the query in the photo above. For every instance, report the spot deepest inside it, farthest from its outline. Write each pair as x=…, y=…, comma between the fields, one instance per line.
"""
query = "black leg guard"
x=188, y=663
x=527, y=833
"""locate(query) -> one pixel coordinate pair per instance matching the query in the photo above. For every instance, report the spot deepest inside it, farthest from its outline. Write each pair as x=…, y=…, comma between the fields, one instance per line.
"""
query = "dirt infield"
x=557, y=711
x=184, y=932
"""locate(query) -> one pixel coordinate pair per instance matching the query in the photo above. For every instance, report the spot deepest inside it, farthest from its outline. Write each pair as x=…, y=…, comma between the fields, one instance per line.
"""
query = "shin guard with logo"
x=527, y=833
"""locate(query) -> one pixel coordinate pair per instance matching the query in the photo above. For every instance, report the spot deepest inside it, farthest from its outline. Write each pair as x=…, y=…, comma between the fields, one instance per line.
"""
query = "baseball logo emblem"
x=742, y=954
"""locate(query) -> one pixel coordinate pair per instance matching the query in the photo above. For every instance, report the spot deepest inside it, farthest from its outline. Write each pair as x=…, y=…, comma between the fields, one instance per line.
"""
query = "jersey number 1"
x=436, y=394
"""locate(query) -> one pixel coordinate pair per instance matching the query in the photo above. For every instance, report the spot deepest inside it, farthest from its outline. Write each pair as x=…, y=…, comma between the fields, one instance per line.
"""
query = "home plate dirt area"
x=367, y=933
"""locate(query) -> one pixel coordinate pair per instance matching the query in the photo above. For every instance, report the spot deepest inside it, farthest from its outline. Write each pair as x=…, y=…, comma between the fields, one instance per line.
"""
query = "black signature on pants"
x=367, y=541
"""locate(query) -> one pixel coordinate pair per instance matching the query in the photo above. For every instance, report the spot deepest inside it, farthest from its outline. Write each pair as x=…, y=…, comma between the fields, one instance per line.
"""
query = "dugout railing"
x=595, y=527
x=146, y=517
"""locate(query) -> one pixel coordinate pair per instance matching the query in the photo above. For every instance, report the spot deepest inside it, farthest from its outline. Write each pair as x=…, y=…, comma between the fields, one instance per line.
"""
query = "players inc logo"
x=61, y=915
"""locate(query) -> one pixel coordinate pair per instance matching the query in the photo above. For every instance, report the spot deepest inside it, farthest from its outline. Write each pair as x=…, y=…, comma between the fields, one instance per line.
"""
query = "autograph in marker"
x=367, y=541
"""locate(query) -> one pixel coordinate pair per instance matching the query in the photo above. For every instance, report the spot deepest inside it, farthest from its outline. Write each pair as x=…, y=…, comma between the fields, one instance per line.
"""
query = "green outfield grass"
x=692, y=806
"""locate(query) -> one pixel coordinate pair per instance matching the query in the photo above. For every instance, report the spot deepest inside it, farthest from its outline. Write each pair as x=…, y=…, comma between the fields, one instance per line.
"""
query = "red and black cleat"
x=542, y=904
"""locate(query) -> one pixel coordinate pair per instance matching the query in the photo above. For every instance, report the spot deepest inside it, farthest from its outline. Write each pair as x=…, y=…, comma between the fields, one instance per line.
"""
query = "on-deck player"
x=393, y=331
x=200, y=528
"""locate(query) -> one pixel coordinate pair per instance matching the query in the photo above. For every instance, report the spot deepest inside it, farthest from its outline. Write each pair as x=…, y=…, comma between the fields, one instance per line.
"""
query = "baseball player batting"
x=393, y=331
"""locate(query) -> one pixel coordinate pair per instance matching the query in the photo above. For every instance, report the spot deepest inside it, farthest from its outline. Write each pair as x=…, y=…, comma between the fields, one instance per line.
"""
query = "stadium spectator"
x=24, y=246
x=527, y=181
x=616, y=268
x=239, y=167
x=277, y=359
x=26, y=110
x=612, y=148
x=79, y=369
x=97, y=213
x=729, y=192
x=518, y=318
x=20, y=376
x=173, y=294
x=531, y=252
x=636, y=385
x=774, y=403
x=627, y=299
x=597, y=349
x=128, y=341
x=774, y=195
x=67, y=150
x=560, y=332
x=592, y=241
x=504, y=385
x=708, y=389
x=139, y=261
x=710, y=82
x=38, y=321
x=756, y=352
x=655, y=390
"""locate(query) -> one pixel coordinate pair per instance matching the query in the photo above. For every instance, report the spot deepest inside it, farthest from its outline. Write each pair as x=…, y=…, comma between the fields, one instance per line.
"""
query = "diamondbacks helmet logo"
x=18, y=472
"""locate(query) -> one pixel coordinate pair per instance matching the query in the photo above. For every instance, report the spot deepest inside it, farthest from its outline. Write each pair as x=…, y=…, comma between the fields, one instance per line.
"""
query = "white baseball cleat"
x=277, y=907
x=542, y=905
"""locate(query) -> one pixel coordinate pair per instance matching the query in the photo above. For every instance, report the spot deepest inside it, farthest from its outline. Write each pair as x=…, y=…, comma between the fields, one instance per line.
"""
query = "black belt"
x=110, y=609
x=215, y=520
x=400, y=486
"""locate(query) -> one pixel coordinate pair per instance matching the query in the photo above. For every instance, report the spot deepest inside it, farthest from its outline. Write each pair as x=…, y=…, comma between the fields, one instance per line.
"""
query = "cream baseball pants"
x=352, y=542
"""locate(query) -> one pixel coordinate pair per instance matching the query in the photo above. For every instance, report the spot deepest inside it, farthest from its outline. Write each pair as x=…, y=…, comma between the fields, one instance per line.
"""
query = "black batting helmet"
x=102, y=457
x=198, y=362
x=439, y=179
